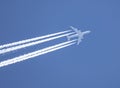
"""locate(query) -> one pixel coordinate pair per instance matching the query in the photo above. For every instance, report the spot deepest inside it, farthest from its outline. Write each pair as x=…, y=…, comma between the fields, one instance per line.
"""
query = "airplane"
x=78, y=34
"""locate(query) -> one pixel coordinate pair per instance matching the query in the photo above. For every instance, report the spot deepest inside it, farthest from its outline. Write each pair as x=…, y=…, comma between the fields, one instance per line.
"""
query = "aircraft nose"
x=86, y=32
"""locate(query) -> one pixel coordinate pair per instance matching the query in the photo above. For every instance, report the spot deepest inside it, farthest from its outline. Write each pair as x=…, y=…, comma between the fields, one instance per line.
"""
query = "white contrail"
x=32, y=39
x=36, y=53
x=31, y=43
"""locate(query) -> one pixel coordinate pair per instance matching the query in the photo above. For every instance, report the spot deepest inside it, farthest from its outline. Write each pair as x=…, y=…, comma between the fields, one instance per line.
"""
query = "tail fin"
x=68, y=37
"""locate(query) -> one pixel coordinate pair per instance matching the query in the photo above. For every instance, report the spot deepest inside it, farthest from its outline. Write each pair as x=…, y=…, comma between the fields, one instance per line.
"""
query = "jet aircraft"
x=78, y=33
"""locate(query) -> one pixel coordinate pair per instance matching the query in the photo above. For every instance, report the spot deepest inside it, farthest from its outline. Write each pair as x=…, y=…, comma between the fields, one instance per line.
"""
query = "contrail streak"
x=37, y=53
x=31, y=43
x=32, y=39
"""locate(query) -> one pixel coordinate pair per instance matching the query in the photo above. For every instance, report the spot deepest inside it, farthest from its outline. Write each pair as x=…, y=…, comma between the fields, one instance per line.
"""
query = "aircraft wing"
x=79, y=40
x=75, y=29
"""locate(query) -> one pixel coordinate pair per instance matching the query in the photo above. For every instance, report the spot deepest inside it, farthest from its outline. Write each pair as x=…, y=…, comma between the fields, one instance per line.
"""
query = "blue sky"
x=92, y=64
